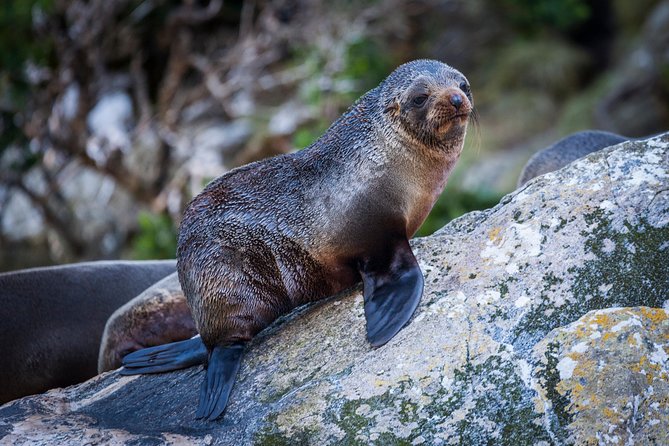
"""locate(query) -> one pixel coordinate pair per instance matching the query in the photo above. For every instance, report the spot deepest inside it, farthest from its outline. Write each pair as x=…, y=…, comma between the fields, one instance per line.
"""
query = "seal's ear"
x=392, y=108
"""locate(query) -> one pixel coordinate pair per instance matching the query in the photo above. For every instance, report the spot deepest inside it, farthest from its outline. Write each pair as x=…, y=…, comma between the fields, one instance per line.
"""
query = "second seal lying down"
x=273, y=235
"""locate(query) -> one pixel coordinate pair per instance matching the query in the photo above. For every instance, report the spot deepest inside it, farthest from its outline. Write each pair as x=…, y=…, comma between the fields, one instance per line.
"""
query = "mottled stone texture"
x=541, y=323
x=606, y=376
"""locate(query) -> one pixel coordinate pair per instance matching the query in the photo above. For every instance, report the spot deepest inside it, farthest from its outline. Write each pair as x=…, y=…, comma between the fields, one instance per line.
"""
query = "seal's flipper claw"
x=165, y=358
x=392, y=291
x=221, y=374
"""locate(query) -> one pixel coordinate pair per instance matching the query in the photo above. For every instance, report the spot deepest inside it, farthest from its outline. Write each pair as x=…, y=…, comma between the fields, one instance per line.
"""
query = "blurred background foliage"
x=533, y=17
x=114, y=113
x=156, y=237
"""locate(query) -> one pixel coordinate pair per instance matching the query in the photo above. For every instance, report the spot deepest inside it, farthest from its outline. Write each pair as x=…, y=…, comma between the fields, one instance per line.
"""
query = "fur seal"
x=269, y=236
x=159, y=315
x=566, y=150
x=53, y=317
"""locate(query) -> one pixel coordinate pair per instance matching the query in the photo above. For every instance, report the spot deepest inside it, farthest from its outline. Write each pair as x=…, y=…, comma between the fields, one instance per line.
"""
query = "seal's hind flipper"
x=221, y=374
x=392, y=291
x=165, y=358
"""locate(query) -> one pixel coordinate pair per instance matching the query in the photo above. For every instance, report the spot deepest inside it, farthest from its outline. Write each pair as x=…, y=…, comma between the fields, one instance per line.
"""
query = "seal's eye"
x=464, y=86
x=419, y=100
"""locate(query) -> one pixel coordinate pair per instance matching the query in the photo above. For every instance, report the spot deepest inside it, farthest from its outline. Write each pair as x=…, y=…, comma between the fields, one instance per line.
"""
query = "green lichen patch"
x=628, y=269
x=548, y=378
x=562, y=223
x=634, y=266
x=483, y=403
x=500, y=397
x=269, y=435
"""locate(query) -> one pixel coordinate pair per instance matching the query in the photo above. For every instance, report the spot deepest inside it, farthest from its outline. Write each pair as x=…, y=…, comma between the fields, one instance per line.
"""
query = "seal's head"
x=429, y=103
x=157, y=316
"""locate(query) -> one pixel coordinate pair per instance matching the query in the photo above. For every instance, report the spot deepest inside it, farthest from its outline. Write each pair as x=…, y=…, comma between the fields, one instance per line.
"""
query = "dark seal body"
x=53, y=317
x=272, y=235
x=566, y=150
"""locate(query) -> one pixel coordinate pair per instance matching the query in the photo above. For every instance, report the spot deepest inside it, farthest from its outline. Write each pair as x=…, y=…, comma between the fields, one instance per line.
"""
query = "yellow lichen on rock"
x=608, y=389
x=493, y=235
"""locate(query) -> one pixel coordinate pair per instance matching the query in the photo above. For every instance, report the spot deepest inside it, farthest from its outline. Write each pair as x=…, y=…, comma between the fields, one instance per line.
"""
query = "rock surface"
x=606, y=376
x=522, y=337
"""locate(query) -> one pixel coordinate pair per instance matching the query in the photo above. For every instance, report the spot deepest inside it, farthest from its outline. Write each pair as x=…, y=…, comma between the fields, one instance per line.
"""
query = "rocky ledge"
x=544, y=321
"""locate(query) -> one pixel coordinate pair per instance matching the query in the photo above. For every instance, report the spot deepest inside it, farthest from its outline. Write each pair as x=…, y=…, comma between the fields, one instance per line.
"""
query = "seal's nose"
x=456, y=100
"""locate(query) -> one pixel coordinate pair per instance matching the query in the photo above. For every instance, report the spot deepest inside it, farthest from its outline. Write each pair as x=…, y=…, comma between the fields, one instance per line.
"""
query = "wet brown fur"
x=272, y=235
x=157, y=316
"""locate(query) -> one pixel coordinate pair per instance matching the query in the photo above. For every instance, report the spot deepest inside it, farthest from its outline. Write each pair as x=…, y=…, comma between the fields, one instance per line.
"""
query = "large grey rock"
x=482, y=362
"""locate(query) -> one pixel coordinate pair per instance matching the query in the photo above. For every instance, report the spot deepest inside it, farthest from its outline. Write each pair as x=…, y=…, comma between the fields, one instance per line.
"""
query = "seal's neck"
x=425, y=175
x=420, y=171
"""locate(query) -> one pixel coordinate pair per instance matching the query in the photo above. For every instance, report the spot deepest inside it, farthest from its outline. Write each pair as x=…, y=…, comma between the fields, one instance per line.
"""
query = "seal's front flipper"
x=165, y=358
x=392, y=290
x=221, y=374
